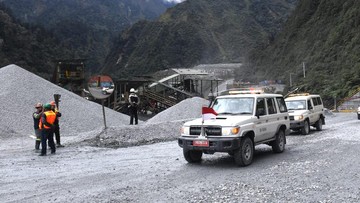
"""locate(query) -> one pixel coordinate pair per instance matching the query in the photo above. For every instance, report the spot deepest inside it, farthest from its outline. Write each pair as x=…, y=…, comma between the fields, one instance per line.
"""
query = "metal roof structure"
x=218, y=66
x=187, y=71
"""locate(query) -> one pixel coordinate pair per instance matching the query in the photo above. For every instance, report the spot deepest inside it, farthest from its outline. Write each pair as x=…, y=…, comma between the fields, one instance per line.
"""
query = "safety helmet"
x=52, y=103
x=38, y=105
x=132, y=90
x=47, y=106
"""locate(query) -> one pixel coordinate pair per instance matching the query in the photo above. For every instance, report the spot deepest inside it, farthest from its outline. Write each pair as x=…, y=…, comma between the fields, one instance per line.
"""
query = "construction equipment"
x=57, y=100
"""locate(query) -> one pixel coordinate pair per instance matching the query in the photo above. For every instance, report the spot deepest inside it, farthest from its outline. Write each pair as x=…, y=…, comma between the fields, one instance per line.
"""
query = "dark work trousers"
x=133, y=115
x=47, y=135
x=57, y=134
x=38, y=138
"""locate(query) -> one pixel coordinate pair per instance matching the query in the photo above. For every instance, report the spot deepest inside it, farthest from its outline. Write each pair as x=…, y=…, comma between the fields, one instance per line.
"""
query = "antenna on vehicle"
x=291, y=92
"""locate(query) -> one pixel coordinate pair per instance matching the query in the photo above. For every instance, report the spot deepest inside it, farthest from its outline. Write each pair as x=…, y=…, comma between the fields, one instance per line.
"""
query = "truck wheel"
x=192, y=156
x=244, y=155
x=359, y=116
x=278, y=145
x=318, y=124
x=306, y=128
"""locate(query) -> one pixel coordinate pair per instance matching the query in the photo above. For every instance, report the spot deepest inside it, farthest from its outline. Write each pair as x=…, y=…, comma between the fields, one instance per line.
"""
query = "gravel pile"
x=185, y=110
x=82, y=120
x=20, y=90
x=165, y=126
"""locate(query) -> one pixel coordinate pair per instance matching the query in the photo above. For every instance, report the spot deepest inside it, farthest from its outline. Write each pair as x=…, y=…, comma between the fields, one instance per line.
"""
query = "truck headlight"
x=230, y=130
x=185, y=130
x=299, y=118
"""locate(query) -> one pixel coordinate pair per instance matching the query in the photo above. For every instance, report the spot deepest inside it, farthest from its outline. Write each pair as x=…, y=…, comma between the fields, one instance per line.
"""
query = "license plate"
x=201, y=143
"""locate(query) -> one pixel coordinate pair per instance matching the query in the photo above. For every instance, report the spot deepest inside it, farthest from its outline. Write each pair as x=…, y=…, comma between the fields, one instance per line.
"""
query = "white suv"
x=242, y=121
x=305, y=110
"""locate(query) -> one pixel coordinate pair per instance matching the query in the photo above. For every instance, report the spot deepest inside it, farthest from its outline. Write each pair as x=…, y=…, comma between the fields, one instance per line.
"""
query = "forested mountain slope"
x=31, y=48
x=86, y=28
x=325, y=34
x=195, y=32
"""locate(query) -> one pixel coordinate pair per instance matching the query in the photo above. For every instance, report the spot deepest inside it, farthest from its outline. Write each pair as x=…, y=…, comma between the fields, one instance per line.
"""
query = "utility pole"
x=303, y=63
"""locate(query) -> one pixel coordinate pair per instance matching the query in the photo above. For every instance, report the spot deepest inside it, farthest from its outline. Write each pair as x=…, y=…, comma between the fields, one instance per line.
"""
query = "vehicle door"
x=273, y=119
x=261, y=125
x=310, y=108
x=282, y=112
x=317, y=108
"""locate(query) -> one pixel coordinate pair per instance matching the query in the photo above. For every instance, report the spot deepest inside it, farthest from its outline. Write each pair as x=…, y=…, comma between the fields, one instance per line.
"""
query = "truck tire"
x=306, y=128
x=318, y=124
x=278, y=145
x=193, y=156
x=244, y=155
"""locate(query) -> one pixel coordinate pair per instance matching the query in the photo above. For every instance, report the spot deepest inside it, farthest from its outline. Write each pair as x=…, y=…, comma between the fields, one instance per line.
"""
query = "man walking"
x=46, y=125
x=134, y=101
x=36, y=116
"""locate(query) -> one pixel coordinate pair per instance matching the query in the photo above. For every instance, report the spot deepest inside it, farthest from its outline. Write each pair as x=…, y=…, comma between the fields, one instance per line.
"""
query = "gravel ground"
x=320, y=167
x=98, y=166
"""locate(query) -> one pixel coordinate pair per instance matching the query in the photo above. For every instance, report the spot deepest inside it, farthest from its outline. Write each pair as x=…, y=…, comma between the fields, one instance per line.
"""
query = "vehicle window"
x=315, y=101
x=319, y=101
x=296, y=105
x=281, y=104
x=271, y=105
x=309, y=104
x=234, y=105
x=260, y=107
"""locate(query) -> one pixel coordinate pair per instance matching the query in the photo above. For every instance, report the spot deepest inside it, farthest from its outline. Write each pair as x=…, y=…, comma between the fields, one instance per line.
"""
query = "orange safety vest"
x=50, y=118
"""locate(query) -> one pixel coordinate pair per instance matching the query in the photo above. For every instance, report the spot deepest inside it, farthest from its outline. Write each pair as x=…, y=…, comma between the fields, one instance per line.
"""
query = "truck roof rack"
x=298, y=94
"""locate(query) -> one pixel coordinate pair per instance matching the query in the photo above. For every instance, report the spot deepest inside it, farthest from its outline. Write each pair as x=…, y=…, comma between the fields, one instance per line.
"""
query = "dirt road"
x=320, y=167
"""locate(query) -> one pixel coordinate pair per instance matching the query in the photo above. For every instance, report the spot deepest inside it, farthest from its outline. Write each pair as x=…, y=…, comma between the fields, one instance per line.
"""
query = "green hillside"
x=195, y=32
x=85, y=28
x=325, y=34
x=31, y=48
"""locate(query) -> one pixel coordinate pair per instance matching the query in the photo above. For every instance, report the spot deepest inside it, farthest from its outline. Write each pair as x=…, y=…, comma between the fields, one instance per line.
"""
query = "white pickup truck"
x=242, y=121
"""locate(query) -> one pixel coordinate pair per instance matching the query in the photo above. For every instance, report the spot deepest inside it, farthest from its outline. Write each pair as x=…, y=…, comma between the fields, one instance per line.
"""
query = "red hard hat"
x=52, y=103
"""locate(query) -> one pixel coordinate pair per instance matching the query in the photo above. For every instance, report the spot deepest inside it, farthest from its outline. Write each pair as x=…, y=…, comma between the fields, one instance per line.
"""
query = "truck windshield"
x=234, y=106
x=296, y=105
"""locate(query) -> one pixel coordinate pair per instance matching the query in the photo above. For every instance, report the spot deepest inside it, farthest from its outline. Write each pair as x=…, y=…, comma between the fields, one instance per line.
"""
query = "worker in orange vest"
x=47, y=129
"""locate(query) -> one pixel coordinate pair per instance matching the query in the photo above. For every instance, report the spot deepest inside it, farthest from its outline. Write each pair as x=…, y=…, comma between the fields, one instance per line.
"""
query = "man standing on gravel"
x=36, y=116
x=47, y=129
x=134, y=101
x=56, y=124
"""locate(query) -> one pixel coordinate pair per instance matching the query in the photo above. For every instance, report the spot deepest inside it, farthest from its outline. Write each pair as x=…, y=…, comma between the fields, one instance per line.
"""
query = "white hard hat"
x=132, y=90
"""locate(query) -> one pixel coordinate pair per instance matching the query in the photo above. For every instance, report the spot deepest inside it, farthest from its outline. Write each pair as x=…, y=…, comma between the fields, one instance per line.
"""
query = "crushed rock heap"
x=21, y=89
x=82, y=120
x=184, y=110
x=165, y=126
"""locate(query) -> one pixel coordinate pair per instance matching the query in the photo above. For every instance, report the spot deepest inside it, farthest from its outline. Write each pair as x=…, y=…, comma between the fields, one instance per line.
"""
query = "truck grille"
x=195, y=130
x=291, y=118
x=210, y=131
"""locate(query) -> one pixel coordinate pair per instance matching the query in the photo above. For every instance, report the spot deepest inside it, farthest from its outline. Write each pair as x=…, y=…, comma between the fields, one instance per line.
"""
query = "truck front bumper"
x=215, y=144
x=296, y=124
